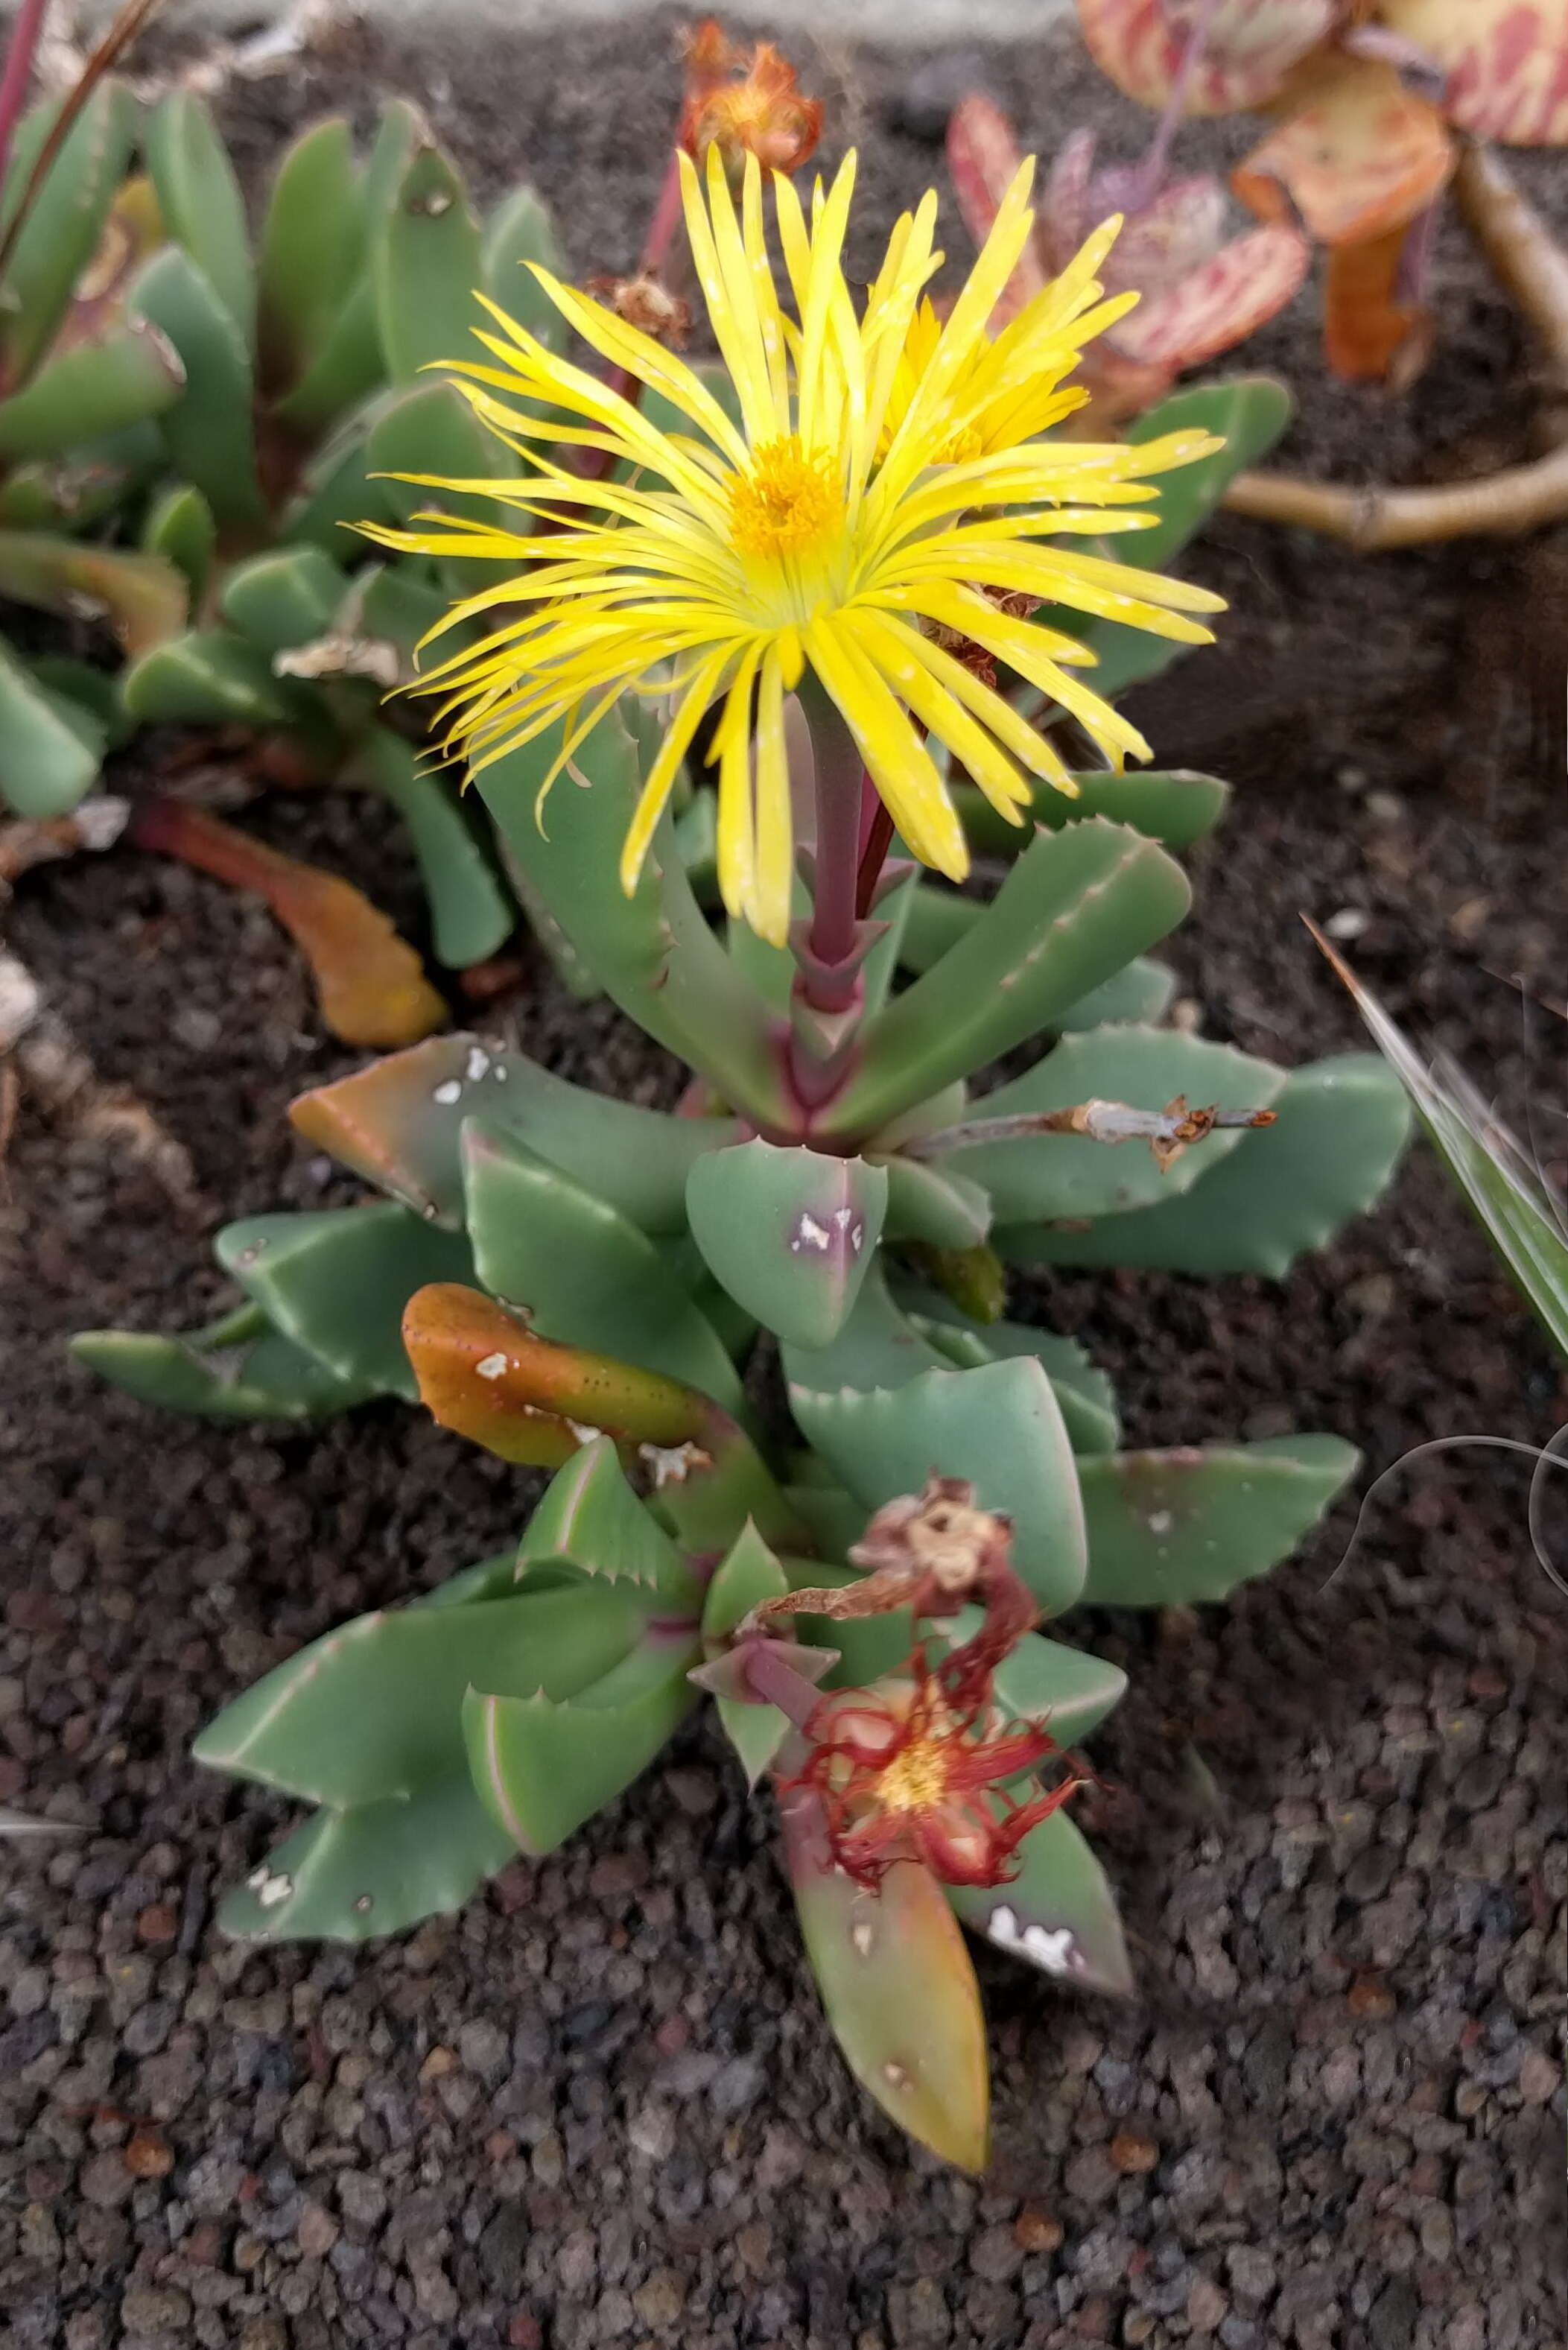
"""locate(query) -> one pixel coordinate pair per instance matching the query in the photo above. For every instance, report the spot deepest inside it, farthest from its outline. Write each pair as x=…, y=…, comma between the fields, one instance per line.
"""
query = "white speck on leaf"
x=451, y=1091
x=491, y=1368
x=478, y=1063
x=1051, y=1947
x=809, y=1234
x=672, y=1464
x=271, y=1889
x=1161, y=1522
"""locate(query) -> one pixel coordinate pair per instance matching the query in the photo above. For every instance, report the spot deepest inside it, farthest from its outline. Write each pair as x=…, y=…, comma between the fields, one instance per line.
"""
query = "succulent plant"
x=1365, y=97
x=234, y=411
x=579, y=1282
x=1200, y=292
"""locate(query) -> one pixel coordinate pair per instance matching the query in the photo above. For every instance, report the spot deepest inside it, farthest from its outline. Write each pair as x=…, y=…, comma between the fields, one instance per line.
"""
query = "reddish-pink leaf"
x=1162, y=246
x=1506, y=63
x=1065, y=197
x=1250, y=48
x=1358, y=155
x=1219, y=304
x=370, y=982
x=983, y=157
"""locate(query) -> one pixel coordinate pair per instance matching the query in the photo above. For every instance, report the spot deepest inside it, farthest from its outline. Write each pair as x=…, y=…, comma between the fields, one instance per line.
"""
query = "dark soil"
x=601, y=2106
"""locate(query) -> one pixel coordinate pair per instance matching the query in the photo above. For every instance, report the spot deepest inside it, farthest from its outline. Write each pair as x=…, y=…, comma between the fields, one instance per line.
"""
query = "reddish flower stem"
x=875, y=839
x=656, y=262
x=1149, y=175
x=835, y=915
x=666, y=219
x=17, y=72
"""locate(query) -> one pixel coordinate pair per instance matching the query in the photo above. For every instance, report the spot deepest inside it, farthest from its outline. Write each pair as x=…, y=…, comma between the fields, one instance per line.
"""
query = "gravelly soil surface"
x=601, y=2107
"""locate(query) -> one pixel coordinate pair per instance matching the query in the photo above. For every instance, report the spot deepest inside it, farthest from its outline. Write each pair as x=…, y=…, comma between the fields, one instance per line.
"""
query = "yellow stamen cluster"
x=787, y=504
x=917, y=1780
x=875, y=486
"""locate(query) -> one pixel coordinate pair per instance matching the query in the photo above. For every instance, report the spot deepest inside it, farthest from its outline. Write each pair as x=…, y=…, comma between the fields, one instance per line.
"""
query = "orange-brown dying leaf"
x=1365, y=328
x=483, y=1373
x=369, y=984
x=1357, y=155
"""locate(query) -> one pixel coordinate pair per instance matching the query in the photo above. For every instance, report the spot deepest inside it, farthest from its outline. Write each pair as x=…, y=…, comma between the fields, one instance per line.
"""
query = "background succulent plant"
x=190, y=424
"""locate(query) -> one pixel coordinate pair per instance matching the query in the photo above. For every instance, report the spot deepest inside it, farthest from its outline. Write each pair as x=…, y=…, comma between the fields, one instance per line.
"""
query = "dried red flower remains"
x=746, y=105
x=902, y=1774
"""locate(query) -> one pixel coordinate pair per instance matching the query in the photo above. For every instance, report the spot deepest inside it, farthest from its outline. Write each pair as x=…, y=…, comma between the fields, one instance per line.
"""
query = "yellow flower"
x=885, y=494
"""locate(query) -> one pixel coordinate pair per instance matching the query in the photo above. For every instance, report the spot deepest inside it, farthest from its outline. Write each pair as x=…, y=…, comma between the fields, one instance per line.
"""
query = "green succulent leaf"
x=94, y=389
x=87, y=697
x=350, y=363
x=430, y=429
x=211, y=678
x=1078, y=906
x=934, y=1204
x=64, y=221
x=898, y=1991
x=47, y=763
x=336, y=1281
x=312, y=244
x=1138, y=997
x=1043, y=1177
x=590, y=1520
x=286, y=597
x=373, y=1710
x=236, y=1368
x=1066, y=1690
x=1175, y=806
x=543, y=1768
x=200, y=199
x=1086, y=1395
x=999, y=1425
x=425, y=263
x=1058, y=1913
x=936, y=920
x=209, y=427
x=788, y=1232
x=398, y=1124
x=336, y=492
x=180, y=529
x=1339, y=1128
x=1169, y=1528
x=585, y=1275
x=1249, y=414
x=471, y=915
x=519, y=231
x=653, y=951
x=742, y=1581
x=401, y=607
x=376, y=1868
